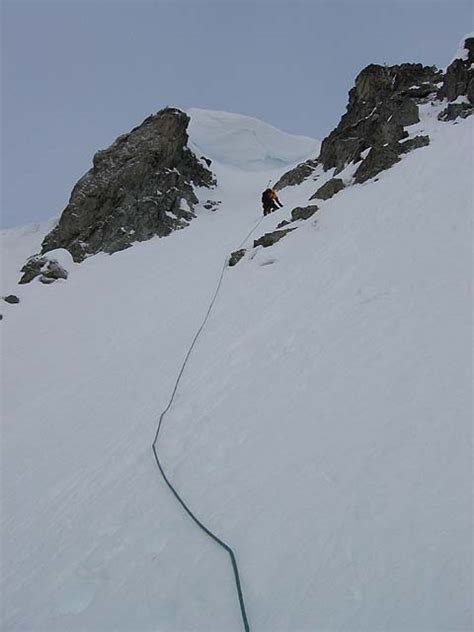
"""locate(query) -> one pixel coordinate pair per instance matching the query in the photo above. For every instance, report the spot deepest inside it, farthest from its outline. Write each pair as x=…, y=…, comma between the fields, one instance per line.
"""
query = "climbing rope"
x=193, y=517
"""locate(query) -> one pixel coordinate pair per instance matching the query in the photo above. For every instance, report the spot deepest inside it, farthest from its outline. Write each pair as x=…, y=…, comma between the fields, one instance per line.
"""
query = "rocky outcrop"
x=269, y=239
x=459, y=82
x=236, y=256
x=459, y=77
x=296, y=175
x=12, y=299
x=303, y=212
x=381, y=104
x=381, y=158
x=456, y=110
x=139, y=187
x=378, y=159
x=46, y=268
x=329, y=189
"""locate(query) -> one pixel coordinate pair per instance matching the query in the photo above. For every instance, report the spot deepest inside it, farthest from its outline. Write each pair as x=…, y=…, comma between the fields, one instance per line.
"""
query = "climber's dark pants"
x=269, y=207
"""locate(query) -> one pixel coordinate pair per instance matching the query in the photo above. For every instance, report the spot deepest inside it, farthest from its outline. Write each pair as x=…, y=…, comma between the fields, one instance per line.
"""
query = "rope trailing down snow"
x=196, y=520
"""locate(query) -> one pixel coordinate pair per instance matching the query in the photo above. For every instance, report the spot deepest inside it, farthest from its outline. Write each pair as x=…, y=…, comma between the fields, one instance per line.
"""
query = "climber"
x=270, y=201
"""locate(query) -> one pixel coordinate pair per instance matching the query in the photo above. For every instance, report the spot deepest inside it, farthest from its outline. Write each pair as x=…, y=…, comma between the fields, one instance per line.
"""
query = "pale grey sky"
x=77, y=73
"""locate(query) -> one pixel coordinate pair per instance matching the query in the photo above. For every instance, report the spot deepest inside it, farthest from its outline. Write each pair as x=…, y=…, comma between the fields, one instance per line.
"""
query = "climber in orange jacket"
x=270, y=201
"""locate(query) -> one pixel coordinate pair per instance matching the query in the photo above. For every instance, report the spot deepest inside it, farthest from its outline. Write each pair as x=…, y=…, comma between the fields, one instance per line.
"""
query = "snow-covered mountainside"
x=321, y=427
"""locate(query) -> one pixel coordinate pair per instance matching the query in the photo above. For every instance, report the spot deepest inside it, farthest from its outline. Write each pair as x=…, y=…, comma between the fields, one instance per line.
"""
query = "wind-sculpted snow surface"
x=322, y=426
x=246, y=142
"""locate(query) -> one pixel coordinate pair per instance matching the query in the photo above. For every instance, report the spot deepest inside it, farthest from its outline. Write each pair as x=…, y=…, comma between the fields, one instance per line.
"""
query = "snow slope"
x=322, y=425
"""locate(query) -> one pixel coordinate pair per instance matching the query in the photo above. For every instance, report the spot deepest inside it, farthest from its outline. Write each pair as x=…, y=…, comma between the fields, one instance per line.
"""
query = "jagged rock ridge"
x=139, y=187
x=382, y=103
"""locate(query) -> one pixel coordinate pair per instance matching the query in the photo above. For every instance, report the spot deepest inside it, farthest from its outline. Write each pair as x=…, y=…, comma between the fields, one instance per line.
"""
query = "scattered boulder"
x=236, y=256
x=139, y=187
x=329, y=189
x=12, y=299
x=297, y=175
x=32, y=268
x=456, y=110
x=269, y=239
x=47, y=268
x=212, y=205
x=303, y=212
x=53, y=270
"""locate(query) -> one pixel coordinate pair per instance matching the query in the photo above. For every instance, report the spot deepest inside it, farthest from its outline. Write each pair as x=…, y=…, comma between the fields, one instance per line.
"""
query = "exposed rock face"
x=12, y=299
x=303, y=212
x=329, y=189
x=380, y=105
x=459, y=82
x=459, y=76
x=139, y=187
x=378, y=159
x=47, y=269
x=296, y=175
x=269, y=239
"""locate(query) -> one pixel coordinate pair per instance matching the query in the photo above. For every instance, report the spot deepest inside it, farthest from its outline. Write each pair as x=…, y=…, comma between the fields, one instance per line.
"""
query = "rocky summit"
x=382, y=103
x=139, y=187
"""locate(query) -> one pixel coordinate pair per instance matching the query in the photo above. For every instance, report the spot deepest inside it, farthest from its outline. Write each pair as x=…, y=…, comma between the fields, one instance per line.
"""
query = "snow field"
x=321, y=427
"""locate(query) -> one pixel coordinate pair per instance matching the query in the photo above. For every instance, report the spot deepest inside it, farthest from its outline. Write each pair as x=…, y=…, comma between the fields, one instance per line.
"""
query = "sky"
x=78, y=73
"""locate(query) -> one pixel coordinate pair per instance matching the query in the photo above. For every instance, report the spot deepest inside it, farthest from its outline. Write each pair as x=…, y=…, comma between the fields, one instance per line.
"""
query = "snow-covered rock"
x=48, y=268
